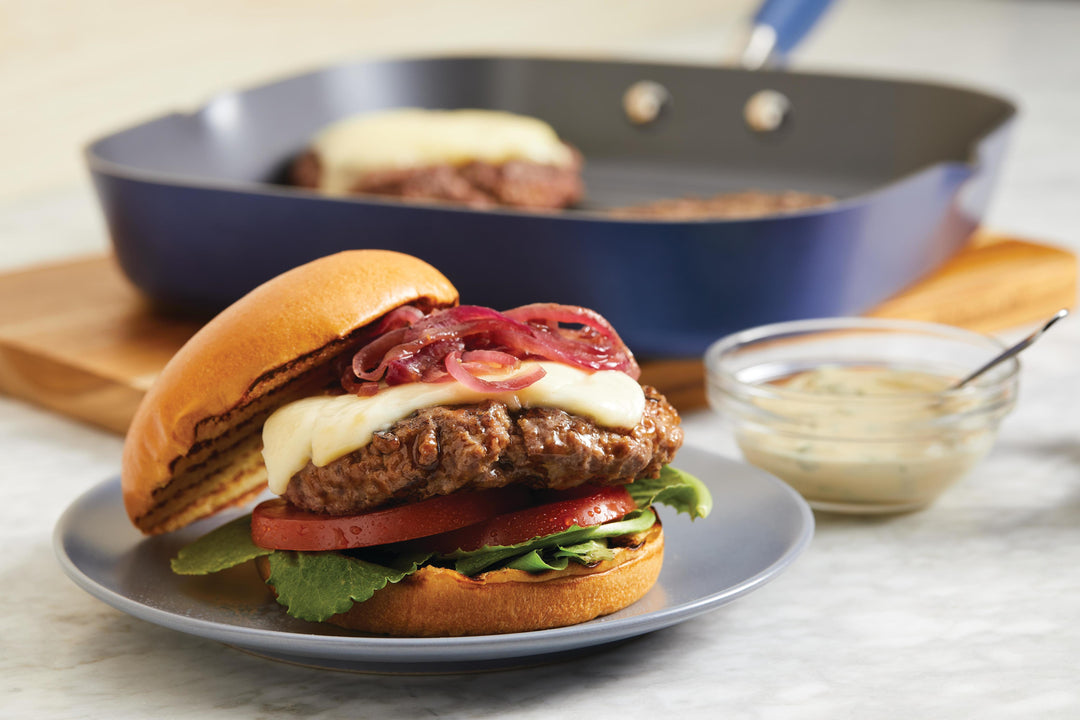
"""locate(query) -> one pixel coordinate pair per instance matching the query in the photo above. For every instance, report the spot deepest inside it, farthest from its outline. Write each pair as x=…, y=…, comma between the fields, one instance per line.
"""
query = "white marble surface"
x=969, y=609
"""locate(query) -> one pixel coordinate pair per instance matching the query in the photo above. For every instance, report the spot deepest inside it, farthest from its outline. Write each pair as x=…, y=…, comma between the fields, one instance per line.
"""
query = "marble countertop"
x=968, y=609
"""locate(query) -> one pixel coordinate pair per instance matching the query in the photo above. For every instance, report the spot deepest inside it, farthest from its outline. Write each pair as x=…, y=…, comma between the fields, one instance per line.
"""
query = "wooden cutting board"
x=77, y=338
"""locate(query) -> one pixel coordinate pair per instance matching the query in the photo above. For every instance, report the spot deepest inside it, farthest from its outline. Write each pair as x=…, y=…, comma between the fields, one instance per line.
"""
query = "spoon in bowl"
x=1011, y=351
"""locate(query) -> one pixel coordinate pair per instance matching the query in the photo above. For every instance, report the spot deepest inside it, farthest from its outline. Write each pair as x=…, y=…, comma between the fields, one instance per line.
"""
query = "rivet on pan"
x=766, y=111
x=644, y=101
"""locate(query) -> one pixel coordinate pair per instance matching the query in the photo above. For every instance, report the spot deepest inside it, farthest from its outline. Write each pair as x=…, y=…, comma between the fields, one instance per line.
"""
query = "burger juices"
x=449, y=470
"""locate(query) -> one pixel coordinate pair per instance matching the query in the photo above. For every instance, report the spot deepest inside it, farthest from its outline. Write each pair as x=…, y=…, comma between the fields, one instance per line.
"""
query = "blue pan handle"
x=778, y=26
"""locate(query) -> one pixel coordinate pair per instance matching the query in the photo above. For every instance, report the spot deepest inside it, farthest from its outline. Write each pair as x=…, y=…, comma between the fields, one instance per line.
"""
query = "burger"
x=478, y=158
x=439, y=469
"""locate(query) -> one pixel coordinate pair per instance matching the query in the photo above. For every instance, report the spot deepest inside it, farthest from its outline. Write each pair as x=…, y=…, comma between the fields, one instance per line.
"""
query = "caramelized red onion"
x=465, y=342
x=467, y=375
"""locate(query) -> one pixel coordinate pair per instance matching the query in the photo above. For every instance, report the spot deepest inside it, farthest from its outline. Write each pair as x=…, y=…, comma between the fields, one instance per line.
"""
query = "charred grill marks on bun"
x=444, y=469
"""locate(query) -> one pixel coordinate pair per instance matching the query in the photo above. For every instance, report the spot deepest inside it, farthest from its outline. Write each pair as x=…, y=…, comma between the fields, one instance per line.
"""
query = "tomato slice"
x=583, y=507
x=277, y=525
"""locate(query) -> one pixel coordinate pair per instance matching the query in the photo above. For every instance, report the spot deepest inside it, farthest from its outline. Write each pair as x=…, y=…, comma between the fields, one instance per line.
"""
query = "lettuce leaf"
x=589, y=552
x=315, y=585
x=219, y=549
x=674, y=488
x=473, y=562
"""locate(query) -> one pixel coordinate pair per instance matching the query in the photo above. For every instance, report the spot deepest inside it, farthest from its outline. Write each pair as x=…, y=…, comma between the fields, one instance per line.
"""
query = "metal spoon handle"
x=1015, y=349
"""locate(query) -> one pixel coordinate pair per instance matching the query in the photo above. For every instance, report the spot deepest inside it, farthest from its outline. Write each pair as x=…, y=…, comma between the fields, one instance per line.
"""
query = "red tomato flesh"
x=277, y=525
x=583, y=507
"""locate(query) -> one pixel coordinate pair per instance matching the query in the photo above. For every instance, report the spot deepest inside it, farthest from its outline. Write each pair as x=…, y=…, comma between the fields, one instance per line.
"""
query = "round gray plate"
x=757, y=528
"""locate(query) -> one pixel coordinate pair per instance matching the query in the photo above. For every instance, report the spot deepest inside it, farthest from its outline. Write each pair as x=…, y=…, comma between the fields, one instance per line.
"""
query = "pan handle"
x=777, y=27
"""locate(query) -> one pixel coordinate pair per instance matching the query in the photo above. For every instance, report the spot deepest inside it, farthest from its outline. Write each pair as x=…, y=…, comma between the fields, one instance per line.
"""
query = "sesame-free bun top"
x=193, y=446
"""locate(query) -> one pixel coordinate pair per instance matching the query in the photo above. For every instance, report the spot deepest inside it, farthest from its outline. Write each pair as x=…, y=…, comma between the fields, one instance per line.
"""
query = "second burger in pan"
x=478, y=158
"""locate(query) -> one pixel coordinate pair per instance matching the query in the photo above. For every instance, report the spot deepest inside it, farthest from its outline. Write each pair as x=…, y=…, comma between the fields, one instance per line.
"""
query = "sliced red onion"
x=568, y=314
x=373, y=355
x=490, y=357
x=466, y=341
x=350, y=383
x=368, y=389
x=399, y=317
x=517, y=382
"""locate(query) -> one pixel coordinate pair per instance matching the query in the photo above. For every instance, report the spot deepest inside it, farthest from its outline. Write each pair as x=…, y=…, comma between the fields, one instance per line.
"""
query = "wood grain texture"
x=997, y=284
x=76, y=338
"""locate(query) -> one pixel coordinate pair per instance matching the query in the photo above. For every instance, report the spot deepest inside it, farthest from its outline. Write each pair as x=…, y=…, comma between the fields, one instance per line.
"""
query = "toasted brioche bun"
x=193, y=446
x=439, y=602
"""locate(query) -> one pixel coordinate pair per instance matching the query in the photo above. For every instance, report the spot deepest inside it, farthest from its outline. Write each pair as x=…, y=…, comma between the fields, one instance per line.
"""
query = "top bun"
x=193, y=446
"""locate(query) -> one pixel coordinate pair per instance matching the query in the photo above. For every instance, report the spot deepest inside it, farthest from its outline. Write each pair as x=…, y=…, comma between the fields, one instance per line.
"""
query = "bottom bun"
x=435, y=602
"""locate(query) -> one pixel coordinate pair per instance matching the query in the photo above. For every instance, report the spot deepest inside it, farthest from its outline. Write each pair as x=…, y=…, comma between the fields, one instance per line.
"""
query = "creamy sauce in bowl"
x=869, y=439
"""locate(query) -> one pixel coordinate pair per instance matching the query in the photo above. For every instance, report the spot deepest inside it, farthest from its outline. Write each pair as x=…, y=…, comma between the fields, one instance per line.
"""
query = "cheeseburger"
x=440, y=469
x=479, y=158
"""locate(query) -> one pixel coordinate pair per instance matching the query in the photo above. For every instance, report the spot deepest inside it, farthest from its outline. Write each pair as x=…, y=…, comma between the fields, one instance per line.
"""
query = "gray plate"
x=759, y=522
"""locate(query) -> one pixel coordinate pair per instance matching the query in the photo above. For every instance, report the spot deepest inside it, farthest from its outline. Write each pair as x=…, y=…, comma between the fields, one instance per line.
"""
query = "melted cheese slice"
x=323, y=429
x=412, y=138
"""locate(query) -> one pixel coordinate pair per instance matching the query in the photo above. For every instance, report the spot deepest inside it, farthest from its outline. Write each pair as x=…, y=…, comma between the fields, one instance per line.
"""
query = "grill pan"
x=199, y=213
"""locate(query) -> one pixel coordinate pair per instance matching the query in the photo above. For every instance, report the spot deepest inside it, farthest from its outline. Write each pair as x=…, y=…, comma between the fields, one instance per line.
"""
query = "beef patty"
x=515, y=183
x=439, y=450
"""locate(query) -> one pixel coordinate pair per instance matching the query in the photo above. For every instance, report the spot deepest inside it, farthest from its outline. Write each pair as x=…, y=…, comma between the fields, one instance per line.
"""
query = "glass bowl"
x=855, y=413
